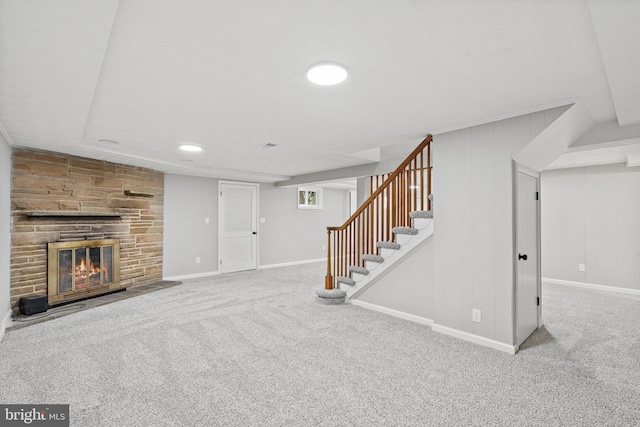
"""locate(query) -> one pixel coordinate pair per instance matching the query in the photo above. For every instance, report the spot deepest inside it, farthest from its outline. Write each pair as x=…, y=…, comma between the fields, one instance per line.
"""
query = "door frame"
x=220, y=221
x=519, y=168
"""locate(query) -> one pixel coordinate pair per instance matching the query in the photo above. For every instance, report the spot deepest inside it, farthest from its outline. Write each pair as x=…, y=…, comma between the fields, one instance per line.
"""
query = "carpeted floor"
x=256, y=349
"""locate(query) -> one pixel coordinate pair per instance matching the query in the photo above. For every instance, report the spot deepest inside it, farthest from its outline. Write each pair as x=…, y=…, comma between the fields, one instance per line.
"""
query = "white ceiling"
x=230, y=76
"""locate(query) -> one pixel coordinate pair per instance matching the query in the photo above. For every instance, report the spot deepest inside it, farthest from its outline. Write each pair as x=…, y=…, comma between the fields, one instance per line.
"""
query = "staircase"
x=390, y=224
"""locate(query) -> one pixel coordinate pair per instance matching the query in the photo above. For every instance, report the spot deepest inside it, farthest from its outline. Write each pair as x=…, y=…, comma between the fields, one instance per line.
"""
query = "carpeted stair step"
x=388, y=245
x=421, y=219
x=372, y=261
x=346, y=280
x=404, y=234
x=421, y=214
x=372, y=258
x=405, y=230
x=387, y=249
x=358, y=270
x=331, y=296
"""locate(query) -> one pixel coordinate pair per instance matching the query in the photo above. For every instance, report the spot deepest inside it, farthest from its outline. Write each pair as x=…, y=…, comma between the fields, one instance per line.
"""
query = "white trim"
x=392, y=312
x=287, y=264
x=592, y=286
x=192, y=276
x=4, y=323
x=476, y=339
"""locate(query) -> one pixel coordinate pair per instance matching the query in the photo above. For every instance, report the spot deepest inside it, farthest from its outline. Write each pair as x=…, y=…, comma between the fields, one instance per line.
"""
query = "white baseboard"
x=486, y=342
x=392, y=312
x=4, y=323
x=192, y=276
x=287, y=264
x=476, y=339
x=592, y=286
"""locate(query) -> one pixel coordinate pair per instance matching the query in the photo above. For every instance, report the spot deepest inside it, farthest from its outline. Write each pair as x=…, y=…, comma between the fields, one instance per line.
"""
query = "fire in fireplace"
x=82, y=268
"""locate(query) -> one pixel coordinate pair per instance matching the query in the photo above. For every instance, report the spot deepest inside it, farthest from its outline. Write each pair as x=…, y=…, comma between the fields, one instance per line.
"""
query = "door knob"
x=255, y=232
x=524, y=257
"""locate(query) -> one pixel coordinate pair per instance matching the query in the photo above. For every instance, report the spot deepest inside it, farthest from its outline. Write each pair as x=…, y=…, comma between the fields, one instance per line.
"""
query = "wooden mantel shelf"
x=75, y=214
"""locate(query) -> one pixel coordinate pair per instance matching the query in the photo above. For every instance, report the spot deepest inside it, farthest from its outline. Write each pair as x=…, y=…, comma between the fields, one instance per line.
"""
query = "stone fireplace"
x=112, y=212
x=82, y=268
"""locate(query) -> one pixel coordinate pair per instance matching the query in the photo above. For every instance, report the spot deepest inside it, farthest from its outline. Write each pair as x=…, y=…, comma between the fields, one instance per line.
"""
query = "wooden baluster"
x=429, y=207
x=422, y=196
x=328, y=280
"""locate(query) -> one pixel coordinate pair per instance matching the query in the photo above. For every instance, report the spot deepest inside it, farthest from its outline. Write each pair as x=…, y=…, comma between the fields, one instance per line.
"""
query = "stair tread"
x=388, y=245
x=372, y=258
x=405, y=230
x=345, y=280
x=358, y=269
x=331, y=293
x=421, y=214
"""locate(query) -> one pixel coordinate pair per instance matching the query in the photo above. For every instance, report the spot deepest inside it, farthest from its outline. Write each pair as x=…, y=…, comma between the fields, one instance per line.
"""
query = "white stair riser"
x=403, y=239
x=357, y=276
x=370, y=265
x=386, y=253
x=421, y=223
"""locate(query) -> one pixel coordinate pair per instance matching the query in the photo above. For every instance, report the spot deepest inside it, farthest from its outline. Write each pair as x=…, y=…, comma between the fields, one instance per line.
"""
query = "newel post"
x=328, y=280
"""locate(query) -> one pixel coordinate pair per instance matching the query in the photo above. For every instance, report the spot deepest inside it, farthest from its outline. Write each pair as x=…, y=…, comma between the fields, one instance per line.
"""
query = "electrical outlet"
x=476, y=315
x=324, y=248
x=263, y=220
x=581, y=267
x=197, y=260
x=206, y=220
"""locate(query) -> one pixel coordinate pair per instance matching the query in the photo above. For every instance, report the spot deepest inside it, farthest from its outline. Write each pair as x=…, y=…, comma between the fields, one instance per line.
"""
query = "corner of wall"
x=3, y=324
x=5, y=231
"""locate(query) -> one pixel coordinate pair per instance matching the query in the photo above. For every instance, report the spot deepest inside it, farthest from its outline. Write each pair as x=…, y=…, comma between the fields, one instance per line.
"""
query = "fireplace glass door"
x=83, y=267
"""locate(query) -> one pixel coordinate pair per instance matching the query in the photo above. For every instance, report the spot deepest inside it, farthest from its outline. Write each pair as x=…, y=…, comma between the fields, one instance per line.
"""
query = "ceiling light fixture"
x=190, y=147
x=269, y=145
x=327, y=74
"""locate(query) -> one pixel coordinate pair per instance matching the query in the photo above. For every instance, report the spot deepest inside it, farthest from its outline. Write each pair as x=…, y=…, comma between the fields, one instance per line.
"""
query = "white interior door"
x=527, y=257
x=238, y=213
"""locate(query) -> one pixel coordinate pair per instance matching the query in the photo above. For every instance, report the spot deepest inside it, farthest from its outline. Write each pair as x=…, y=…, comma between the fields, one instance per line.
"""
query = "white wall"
x=5, y=232
x=473, y=223
x=591, y=216
x=401, y=289
x=188, y=201
x=290, y=234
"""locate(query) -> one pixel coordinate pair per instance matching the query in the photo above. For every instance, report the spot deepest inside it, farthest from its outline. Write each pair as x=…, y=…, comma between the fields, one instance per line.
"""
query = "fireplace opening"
x=82, y=268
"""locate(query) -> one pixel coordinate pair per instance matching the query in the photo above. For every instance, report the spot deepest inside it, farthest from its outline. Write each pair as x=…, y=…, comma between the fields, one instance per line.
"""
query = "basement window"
x=309, y=198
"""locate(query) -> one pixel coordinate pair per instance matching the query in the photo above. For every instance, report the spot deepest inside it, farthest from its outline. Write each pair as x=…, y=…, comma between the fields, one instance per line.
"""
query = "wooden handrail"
x=389, y=205
x=385, y=184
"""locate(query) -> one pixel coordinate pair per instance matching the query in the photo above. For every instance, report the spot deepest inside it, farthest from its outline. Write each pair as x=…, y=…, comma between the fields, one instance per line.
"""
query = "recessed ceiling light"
x=190, y=147
x=107, y=141
x=269, y=145
x=327, y=74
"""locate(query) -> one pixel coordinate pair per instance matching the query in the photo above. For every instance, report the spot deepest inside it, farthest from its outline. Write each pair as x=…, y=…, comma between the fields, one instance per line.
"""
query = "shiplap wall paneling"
x=447, y=230
x=590, y=216
x=482, y=212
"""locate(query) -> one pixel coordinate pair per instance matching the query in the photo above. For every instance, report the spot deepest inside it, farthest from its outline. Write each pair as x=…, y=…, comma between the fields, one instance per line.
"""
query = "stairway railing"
x=404, y=190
